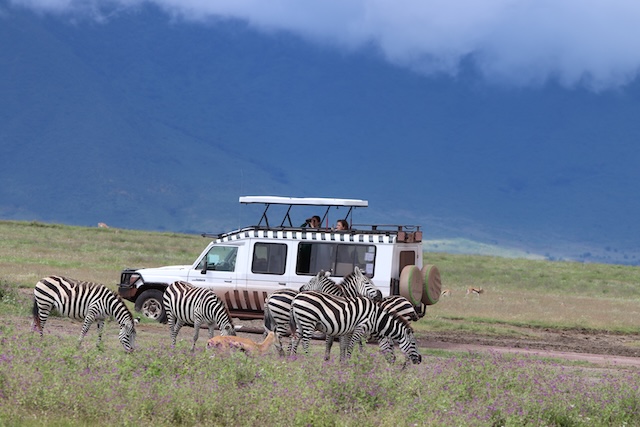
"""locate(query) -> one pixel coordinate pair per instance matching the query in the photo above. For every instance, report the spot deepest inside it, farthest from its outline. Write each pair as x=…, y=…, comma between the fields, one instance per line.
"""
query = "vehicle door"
x=217, y=268
x=268, y=267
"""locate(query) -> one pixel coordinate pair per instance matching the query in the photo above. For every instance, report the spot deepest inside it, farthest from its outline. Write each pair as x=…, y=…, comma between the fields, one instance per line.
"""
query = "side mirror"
x=204, y=268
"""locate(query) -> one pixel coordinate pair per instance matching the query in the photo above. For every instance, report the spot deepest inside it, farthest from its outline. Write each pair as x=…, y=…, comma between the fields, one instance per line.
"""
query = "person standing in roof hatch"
x=313, y=222
x=342, y=225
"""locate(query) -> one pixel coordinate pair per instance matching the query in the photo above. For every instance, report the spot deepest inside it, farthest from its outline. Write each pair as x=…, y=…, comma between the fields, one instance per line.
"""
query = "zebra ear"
x=356, y=270
x=327, y=273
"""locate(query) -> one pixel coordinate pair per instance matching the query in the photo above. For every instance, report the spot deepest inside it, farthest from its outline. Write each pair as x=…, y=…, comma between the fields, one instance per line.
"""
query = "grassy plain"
x=51, y=381
x=547, y=294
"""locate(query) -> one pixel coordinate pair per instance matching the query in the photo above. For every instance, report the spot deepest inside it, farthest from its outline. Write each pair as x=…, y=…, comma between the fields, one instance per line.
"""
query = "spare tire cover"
x=432, y=284
x=411, y=284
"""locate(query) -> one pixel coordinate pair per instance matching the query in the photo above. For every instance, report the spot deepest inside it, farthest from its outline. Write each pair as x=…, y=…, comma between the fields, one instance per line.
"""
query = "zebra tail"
x=269, y=321
x=293, y=325
x=36, y=317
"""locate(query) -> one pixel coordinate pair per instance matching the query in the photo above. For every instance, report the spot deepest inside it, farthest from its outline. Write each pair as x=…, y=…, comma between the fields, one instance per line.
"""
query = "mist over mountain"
x=146, y=121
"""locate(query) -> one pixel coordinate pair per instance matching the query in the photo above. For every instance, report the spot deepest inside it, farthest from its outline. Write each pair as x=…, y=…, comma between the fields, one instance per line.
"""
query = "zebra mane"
x=226, y=310
x=121, y=300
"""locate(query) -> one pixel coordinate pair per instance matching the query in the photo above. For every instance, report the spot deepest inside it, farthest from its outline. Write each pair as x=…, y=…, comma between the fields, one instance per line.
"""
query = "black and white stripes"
x=186, y=304
x=358, y=317
x=277, y=307
x=84, y=301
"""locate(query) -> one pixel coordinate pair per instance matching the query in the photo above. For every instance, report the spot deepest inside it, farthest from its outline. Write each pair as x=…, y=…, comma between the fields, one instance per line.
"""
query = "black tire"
x=149, y=303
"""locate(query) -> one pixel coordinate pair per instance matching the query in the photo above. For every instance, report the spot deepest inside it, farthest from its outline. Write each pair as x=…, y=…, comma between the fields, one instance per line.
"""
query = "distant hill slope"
x=147, y=123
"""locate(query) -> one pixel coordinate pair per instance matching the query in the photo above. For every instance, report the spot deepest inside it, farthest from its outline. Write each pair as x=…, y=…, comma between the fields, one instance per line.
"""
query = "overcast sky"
x=578, y=43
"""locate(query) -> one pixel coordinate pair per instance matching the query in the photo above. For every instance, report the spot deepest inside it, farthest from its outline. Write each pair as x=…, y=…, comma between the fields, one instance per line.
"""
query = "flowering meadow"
x=50, y=381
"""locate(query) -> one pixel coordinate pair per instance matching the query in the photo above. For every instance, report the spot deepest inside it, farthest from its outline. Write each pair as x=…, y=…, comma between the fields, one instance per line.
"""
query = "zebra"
x=353, y=285
x=186, y=304
x=401, y=307
x=396, y=304
x=277, y=306
x=86, y=301
x=357, y=317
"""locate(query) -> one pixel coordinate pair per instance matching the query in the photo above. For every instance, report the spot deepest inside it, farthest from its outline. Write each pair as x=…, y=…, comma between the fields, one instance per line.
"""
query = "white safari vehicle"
x=246, y=265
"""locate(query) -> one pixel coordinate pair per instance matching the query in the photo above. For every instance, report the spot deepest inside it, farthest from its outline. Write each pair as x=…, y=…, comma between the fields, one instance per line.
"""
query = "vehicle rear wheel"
x=150, y=304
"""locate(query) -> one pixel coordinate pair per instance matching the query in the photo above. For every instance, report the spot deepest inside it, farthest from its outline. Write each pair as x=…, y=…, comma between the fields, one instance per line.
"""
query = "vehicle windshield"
x=220, y=258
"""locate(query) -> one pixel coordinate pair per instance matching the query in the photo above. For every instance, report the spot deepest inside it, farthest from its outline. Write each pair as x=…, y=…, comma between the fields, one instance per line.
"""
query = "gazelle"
x=230, y=342
x=475, y=291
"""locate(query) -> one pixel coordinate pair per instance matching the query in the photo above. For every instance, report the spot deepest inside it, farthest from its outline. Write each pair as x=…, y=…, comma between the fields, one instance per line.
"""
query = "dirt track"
x=571, y=344
x=574, y=344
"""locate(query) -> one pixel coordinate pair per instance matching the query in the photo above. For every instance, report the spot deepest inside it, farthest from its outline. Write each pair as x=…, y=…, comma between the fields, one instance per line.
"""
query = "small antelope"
x=445, y=293
x=102, y=225
x=475, y=291
x=230, y=342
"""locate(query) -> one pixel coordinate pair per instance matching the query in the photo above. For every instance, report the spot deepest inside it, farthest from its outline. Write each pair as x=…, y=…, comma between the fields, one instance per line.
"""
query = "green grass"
x=50, y=381
x=543, y=294
x=32, y=250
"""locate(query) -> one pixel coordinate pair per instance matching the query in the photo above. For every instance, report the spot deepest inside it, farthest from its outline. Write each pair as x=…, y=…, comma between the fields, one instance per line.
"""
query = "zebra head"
x=127, y=335
x=358, y=283
x=317, y=282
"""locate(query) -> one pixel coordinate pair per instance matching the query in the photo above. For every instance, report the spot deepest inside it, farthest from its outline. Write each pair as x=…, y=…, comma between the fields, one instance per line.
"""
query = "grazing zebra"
x=353, y=285
x=186, y=304
x=277, y=306
x=402, y=307
x=84, y=301
x=358, y=317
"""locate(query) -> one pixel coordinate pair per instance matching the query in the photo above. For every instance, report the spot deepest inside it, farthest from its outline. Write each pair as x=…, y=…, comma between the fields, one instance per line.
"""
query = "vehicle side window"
x=220, y=258
x=340, y=259
x=313, y=257
x=269, y=258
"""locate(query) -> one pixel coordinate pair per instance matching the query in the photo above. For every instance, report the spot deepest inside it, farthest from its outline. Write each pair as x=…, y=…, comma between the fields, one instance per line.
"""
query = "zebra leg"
x=40, y=316
x=328, y=343
x=174, y=332
x=357, y=335
x=88, y=321
x=293, y=345
x=196, y=326
x=100, y=329
x=386, y=346
x=306, y=339
x=278, y=342
x=344, y=344
x=171, y=321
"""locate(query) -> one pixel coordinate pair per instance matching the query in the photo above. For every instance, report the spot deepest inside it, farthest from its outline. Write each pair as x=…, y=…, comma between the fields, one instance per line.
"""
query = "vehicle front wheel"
x=150, y=304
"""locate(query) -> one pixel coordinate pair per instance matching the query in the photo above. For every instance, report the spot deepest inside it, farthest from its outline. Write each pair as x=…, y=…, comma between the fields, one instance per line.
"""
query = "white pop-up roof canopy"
x=306, y=201
x=302, y=201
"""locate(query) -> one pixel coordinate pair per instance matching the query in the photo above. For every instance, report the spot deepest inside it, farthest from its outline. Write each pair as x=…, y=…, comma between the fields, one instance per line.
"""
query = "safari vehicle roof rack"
x=403, y=233
x=301, y=201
